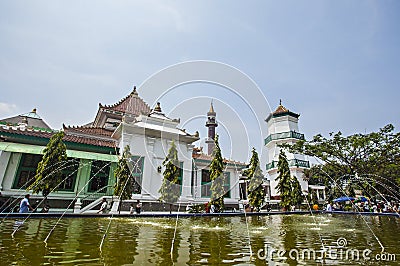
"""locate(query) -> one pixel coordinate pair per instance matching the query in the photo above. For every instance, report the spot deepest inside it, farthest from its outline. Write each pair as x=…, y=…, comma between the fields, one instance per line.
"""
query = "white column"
x=187, y=174
x=148, y=169
x=198, y=184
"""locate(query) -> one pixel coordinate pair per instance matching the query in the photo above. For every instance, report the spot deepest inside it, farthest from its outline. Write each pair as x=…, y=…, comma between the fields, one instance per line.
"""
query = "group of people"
x=134, y=207
x=25, y=206
x=211, y=208
x=376, y=207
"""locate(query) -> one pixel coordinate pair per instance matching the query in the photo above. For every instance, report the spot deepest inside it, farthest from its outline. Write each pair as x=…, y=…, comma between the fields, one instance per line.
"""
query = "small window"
x=69, y=174
x=206, y=184
x=26, y=170
x=99, y=174
x=137, y=173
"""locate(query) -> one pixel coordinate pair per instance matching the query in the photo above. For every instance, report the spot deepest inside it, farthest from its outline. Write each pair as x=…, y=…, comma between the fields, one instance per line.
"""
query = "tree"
x=372, y=157
x=314, y=197
x=296, y=195
x=255, y=190
x=350, y=190
x=49, y=171
x=217, y=177
x=170, y=189
x=327, y=176
x=284, y=186
x=123, y=187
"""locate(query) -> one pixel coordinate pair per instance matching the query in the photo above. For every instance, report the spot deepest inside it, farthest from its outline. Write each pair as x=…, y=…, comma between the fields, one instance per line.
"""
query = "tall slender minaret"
x=211, y=124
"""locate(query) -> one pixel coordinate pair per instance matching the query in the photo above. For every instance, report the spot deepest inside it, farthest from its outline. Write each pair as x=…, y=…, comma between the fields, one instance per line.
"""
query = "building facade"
x=87, y=174
x=93, y=151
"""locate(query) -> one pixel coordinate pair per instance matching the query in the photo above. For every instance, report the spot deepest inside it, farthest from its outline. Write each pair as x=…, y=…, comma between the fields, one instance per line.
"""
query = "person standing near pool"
x=138, y=207
x=103, y=206
x=24, y=206
x=329, y=207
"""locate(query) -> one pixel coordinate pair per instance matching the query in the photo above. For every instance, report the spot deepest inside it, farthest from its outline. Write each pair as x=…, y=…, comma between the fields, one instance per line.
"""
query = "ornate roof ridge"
x=83, y=127
x=88, y=131
x=133, y=94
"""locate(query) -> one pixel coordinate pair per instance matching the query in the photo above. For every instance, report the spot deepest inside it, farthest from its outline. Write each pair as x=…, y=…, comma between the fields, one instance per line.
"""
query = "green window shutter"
x=137, y=173
x=26, y=172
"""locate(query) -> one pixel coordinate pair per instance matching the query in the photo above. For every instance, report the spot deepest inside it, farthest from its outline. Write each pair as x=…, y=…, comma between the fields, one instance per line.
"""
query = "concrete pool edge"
x=181, y=215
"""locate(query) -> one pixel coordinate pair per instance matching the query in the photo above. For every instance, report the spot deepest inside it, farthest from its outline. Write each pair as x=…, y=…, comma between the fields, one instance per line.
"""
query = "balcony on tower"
x=284, y=135
x=292, y=163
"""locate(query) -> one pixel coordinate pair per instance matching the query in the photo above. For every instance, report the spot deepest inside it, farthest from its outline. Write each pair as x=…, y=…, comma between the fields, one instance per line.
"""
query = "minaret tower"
x=283, y=128
x=211, y=124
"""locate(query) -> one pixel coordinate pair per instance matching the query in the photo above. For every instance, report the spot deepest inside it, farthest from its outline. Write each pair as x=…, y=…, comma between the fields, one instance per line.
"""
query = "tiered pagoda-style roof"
x=281, y=111
x=109, y=116
x=29, y=128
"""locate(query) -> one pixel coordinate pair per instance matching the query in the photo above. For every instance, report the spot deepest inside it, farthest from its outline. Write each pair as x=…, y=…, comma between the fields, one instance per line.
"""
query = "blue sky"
x=334, y=62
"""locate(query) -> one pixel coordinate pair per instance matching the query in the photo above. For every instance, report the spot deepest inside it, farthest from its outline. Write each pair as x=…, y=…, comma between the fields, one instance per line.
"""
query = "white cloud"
x=7, y=109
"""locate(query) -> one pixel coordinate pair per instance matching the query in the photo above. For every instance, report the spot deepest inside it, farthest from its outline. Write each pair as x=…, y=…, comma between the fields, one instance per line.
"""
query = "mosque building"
x=93, y=151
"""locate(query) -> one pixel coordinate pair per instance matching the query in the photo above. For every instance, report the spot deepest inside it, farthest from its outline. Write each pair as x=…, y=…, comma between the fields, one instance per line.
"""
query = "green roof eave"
x=229, y=164
x=34, y=140
x=35, y=149
x=288, y=113
x=24, y=138
x=90, y=148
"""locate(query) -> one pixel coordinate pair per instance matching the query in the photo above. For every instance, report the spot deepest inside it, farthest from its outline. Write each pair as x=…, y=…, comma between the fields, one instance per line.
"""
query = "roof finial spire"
x=280, y=101
x=134, y=92
x=158, y=107
x=211, y=107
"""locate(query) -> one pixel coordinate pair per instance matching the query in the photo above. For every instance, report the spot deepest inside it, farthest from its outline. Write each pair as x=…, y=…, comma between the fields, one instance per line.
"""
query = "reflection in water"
x=207, y=240
x=163, y=241
x=120, y=246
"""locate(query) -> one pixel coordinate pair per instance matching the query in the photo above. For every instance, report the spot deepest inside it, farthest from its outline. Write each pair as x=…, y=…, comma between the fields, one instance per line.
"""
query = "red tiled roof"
x=27, y=132
x=205, y=157
x=99, y=131
x=131, y=104
x=67, y=137
x=90, y=141
x=280, y=109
